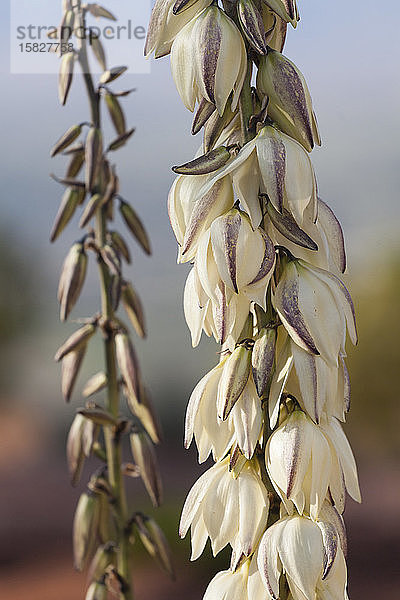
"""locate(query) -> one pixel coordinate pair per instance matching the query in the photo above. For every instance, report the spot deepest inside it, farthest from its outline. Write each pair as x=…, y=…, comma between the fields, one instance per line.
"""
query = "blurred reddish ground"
x=37, y=503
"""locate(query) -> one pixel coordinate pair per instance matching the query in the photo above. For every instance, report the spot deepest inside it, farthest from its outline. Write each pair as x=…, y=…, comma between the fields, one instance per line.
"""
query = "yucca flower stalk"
x=267, y=256
x=105, y=527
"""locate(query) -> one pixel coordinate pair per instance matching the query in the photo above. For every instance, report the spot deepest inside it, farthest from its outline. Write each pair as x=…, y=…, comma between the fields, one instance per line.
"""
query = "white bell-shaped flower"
x=228, y=508
x=244, y=258
x=211, y=433
x=165, y=25
x=276, y=165
x=304, y=460
x=313, y=563
x=208, y=60
x=315, y=307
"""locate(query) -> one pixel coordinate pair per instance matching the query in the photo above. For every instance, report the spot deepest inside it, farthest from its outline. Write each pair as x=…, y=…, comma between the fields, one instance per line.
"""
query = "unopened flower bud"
x=85, y=528
x=263, y=359
x=207, y=163
x=290, y=104
x=79, y=445
x=66, y=139
x=65, y=76
x=112, y=74
x=252, y=23
x=66, y=211
x=116, y=113
x=155, y=542
x=134, y=225
x=72, y=279
x=134, y=308
x=79, y=338
x=128, y=363
x=93, y=154
x=99, y=11
x=145, y=458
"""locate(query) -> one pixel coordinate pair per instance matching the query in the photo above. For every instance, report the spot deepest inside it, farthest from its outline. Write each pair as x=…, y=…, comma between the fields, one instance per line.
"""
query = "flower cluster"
x=266, y=257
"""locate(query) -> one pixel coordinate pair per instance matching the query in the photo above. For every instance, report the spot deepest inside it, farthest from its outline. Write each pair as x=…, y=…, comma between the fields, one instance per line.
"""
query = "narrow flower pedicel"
x=267, y=255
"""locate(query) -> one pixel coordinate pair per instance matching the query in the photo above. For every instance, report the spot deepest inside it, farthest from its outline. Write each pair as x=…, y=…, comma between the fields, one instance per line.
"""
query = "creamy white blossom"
x=315, y=307
x=226, y=507
x=304, y=461
x=277, y=165
x=211, y=433
x=232, y=252
x=213, y=74
x=313, y=562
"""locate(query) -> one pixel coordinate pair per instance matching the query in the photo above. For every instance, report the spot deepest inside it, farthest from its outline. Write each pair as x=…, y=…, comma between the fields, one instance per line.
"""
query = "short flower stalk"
x=267, y=256
x=105, y=528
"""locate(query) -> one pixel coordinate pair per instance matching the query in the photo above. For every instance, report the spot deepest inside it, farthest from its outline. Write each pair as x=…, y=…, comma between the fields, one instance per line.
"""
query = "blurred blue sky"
x=349, y=54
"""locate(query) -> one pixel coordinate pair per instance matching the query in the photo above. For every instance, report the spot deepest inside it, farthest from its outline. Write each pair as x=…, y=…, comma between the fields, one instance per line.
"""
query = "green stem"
x=112, y=441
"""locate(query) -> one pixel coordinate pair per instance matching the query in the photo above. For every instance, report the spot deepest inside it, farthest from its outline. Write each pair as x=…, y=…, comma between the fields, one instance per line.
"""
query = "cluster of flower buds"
x=267, y=255
x=104, y=526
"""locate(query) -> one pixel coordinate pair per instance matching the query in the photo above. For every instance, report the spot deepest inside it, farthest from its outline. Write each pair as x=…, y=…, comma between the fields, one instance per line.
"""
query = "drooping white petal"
x=345, y=455
x=301, y=552
x=321, y=463
x=283, y=368
x=290, y=305
x=300, y=186
x=334, y=235
x=199, y=536
x=208, y=385
x=323, y=319
x=207, y=269
x=194, y=313
x=183, y=65
x=195, y=498
x=271, y=155
x=255, y=586
x=268, y=559
x=341, y=296
x=334, y=586
x=229, y=70
x=254, y=507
